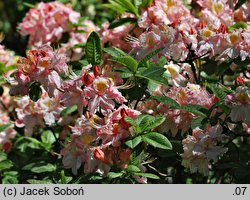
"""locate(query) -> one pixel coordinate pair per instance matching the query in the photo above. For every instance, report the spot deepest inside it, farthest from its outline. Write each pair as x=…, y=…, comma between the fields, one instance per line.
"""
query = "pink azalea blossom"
x=42, y=65
x=102, y=93
x=239, y=101
x=6, y=56
x=201, y=148
x=32, y=115
x=8, y=134
x=117, y=128
x=47, y=22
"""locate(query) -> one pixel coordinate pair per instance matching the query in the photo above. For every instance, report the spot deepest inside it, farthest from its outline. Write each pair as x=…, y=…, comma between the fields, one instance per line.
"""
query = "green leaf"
x=127, y=5
x=168, y=101
x=29, y=5
x=128, y=62
x=143, y=123
x=122, y=21
x=134, y=142
x=114, y=6
x=115, y=52
x=44, y=168
x=147, y=175
x=157, y=140
x=34, y=181
x=23, y=143
x=132, y=168
x=3, y=156
x=35, y=92
x=93, y=49
x=237, y=25
x=218, y=92
x=65, y=179
x=5, y=164
x=149, y=56
x=146, y=3
x=48, y=137
x=154, y=74
x=112, y=175
x=198, y=122
x=4, y=68
x=68, y=111
x=150, y=122
x=10, y=177
x=195, y=109
x=5, y=126
x=239, y=4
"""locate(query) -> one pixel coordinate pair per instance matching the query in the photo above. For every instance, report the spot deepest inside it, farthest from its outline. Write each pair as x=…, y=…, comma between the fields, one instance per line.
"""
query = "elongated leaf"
x=122, y=21
x=5, y=164
x=128, y=62
x=93, y=49
x=134, y=142
x=114, y=6
x=157, y=140
x=168, y=101
x=147, y=175
x=149, y=56
x=34, y=181
x=237, y=25
x=126, y=4
x=115, y=52
x=132, y=168
x=68, y=111
x=45, y=168
x=198, y=122
x=112, y=175
x=154, y=74
x=195, y=109
x=218, y=92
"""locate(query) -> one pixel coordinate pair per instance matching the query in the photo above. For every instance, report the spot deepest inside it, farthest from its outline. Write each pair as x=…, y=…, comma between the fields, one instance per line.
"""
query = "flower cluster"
x=6, y=56
x=43, y=66
x=239, y=101
x=201, y=148
x=116, y=97
x=47, y=22
x=8, y=134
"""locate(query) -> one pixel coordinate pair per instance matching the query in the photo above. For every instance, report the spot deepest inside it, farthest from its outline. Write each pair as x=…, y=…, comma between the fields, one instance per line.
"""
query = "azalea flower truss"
x=158, y=93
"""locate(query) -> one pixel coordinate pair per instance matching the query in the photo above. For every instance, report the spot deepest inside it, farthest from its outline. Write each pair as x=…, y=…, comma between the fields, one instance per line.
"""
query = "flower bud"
x=87, y=79
x=99, y=154
x=97, y=70
x=240, y=81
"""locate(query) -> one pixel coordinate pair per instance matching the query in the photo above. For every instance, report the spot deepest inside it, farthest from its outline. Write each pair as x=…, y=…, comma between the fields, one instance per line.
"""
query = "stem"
x=194, y=72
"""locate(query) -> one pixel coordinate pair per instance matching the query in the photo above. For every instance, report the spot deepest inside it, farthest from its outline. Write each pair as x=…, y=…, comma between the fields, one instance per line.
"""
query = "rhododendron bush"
x=152, y=91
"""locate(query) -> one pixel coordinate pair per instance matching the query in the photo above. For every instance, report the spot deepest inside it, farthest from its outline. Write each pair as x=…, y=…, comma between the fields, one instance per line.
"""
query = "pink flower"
x=32, y=115
x=239, y=101
x=201, y=148
x=42, y=65
x=117, y=128
x=179, y=119
x=6, y=56
x=8, y=134
x=101, y=94
x=116, y=37
x=47, y=22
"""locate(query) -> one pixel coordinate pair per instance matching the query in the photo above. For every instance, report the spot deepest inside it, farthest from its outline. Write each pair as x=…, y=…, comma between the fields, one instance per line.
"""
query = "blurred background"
x=12, y=12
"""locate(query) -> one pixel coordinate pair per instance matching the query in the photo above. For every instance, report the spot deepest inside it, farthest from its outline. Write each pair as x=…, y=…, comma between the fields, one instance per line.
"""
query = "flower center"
x=101, y=85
